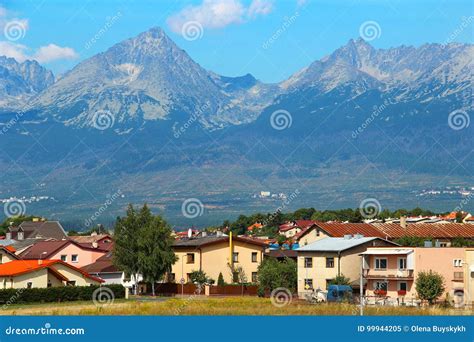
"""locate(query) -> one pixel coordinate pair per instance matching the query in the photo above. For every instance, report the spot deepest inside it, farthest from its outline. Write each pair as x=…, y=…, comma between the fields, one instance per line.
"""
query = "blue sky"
x=236, y=36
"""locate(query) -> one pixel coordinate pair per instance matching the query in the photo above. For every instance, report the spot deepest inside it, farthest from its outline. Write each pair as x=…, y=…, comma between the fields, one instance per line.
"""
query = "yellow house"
x=43, y=273
x=217, y=254
x=323, y=260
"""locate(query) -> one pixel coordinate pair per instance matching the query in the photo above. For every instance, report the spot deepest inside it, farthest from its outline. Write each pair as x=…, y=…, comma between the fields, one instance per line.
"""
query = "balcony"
x=388, y=274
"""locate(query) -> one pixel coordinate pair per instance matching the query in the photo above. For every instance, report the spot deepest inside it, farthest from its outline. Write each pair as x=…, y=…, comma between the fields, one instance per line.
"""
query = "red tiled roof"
x=338, y=229
x=18, y=267
x=437, y=230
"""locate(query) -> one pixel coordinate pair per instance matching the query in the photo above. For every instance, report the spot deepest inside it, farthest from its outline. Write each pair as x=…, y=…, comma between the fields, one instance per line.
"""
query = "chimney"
x=403, y=221
x=347, y=236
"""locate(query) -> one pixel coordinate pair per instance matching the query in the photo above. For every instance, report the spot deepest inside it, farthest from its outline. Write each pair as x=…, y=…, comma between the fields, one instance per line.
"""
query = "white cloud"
x=219, y=13
x=44, y=54
x=260, y=7
x=54, y=52
x=14, y=29
x=13, y=50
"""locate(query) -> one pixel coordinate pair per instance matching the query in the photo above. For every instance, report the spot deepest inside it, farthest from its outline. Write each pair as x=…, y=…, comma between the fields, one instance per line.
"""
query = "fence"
x=172, y=289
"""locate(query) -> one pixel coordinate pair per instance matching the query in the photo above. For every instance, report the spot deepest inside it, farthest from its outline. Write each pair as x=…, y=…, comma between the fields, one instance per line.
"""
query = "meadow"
x=238, y=306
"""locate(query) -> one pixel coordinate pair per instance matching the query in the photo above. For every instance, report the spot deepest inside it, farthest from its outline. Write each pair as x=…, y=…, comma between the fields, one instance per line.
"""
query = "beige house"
x=6, y=255
x=217, y=254
x=43, y=273
x=323, y=260
x=469, y=276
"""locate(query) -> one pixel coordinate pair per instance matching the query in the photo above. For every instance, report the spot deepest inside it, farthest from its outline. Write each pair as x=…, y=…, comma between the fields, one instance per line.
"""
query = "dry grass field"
x=217, y=306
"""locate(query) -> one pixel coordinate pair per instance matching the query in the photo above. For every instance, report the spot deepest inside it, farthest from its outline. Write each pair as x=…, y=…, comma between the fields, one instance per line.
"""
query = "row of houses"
x=40, y=254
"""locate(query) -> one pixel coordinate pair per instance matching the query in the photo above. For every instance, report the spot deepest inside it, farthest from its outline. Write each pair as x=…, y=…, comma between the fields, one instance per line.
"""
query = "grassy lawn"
x=216, y=306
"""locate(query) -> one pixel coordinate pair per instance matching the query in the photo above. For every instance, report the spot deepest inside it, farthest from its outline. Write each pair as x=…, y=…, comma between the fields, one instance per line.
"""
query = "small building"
x=325, y=259
x=18, y=274
x=392, y=272
x=7, y=254
x=106, y=270
x=217, y=254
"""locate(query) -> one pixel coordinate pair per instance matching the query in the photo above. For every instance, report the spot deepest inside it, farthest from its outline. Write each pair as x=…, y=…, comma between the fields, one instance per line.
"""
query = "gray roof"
x=331, y=244
x=198, y=241
x=40, y=229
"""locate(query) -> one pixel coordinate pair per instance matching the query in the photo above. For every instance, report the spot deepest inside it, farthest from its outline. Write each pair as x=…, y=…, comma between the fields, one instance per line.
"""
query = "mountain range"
x=174, y=130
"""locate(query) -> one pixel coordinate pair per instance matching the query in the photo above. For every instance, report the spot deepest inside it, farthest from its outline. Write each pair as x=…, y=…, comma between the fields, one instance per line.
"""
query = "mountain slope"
x=148, y=78
x=20, y=81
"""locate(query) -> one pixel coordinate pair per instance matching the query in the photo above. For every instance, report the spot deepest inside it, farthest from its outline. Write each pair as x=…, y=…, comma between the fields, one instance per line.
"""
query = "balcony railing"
x=388, y=273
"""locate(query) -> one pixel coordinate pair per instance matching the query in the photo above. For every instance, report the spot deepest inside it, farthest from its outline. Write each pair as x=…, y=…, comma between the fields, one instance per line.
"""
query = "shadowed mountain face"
x=145, y=118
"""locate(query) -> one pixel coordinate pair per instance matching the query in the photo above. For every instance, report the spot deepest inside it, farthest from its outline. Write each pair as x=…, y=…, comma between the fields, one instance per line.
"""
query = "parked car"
x=339, y=293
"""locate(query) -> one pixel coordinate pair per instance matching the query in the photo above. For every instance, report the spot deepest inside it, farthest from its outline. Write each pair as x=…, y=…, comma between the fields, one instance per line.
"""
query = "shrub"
x=429, y=286
x=220, y=280
x=54, y=294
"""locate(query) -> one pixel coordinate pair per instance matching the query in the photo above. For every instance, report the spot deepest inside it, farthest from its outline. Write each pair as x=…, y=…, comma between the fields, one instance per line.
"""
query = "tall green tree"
x=154, y=247
x=126, y=232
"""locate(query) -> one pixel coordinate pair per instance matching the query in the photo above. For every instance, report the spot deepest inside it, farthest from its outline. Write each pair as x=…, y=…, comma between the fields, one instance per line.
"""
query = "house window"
x=29, y=285
x=381, y=285
x=457, y=263
x=308, y=262
x=458, y=275
x=380, y=263
x=402, y=263
x=443, y=244
x=172, y=278
x=64, y=257
x=329, y=262
x=402, y=286
x=190, y=258
x=20, y=236
x=235, y=257
x=254, y=256
x=188, y=276
x=74, y=258
x=308, y=284
x=254, y=277
x=71, y=283
x=317, y=233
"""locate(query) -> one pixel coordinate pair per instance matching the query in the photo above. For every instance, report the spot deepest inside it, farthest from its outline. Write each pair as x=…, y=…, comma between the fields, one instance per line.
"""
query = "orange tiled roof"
x=18, y=267
x=256, y=225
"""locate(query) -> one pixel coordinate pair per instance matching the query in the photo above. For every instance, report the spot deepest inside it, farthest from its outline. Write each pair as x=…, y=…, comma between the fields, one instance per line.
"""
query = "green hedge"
x=59, y=294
